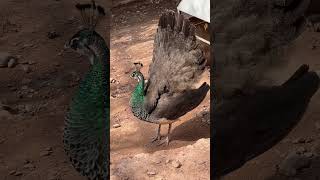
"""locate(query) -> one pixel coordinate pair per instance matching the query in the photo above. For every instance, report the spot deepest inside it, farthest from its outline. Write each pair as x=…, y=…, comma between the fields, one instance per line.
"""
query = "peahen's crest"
x=90, y=14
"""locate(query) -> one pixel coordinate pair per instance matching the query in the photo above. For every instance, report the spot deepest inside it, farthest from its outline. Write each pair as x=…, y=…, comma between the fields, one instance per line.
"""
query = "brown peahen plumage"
x=176, y=65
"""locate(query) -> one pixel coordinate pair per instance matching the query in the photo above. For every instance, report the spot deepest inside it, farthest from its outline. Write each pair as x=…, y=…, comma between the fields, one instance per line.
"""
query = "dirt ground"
x=132, y=35
x=305, y=136
x=40, y=87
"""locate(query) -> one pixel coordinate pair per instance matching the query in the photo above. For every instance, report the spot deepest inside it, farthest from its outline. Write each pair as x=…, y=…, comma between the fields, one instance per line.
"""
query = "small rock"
x=4, y=59
x=299, y=140
x=292, y=163
x=176, y=164
x=116, y=126
x=52, y=35
x=31, y=62
x=301, y=150
x=25, y=81
x=26, y=68
x=45, y=153
x=18, y=173
x=24, y=87
x=151, y=173
x=29, y=166
x=12, y=62
x=308, y=154
x=5, y=114
x=316, y=149
x=57, y=64
x=2, y=140
x=113, y=81
x=12, y=172
x=168, y=161
x=157, y=161
x=28, y=108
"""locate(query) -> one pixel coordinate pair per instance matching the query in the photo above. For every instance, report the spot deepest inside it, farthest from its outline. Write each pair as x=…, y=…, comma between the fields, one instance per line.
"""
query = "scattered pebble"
x=299, y=140
x=116, y=126
x=113, y=81
x=4, y=59
x=12, y=62
x=176, y=164
x=52, y=35
x=168, y=161
x=26, y=81
x=292, y=163
x=47, y=152
x=29, y=166
x=26, y=68
x=12, y=172
x=151, y=173
x=301, y=150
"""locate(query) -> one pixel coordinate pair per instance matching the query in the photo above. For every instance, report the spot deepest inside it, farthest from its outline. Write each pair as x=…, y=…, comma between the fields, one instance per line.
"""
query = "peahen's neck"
x=137, y=100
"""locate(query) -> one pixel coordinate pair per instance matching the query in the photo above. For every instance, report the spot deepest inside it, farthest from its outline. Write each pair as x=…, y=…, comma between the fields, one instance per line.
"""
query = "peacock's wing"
x=249, y=37
x=177, y=61
x=85, y=127
x=178, y=104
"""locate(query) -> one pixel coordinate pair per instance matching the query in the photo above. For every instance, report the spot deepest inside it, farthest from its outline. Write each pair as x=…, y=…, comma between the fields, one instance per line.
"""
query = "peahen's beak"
x=66, y=45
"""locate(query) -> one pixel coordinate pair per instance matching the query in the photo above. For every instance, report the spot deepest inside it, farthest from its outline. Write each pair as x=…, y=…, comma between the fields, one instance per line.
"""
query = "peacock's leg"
x=167, y=140
x=158, y=136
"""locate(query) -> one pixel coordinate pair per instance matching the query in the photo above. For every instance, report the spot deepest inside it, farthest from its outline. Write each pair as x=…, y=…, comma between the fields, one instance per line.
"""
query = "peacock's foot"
x=164, y=141
x=154, y=139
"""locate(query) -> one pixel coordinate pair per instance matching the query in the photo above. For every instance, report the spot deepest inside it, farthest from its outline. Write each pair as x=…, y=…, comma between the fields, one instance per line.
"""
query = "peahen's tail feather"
x=177, y=61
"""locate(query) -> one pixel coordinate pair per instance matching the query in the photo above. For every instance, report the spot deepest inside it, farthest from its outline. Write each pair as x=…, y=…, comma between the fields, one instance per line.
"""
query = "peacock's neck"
x=137, y=100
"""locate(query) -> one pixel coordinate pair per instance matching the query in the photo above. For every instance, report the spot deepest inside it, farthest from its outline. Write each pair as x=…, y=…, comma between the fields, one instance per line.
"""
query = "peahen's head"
x=83, y=42
x=87, y=40
x=137, y=74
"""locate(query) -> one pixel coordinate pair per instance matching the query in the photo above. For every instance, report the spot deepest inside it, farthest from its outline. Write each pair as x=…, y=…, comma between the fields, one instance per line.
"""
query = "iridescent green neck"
x=137, y=99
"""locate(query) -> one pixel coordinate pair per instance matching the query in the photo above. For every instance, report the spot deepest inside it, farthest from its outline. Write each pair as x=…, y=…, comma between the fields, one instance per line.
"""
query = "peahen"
x=250, y=116
x=177, y=64
x=86, y=140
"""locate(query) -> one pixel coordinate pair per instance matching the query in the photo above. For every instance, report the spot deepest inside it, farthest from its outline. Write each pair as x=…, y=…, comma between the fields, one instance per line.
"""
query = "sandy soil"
x=305, y=136
x=132, y=35
x=40, y=87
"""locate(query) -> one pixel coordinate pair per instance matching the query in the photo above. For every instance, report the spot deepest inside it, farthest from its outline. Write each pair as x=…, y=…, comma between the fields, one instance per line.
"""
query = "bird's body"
x=86, y=140
x=177, y=63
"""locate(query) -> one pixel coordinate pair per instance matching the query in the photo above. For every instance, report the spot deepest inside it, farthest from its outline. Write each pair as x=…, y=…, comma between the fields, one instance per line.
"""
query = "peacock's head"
x=137, y=74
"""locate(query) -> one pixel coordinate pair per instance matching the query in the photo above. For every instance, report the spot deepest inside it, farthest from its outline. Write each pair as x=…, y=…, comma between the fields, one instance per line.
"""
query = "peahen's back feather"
x=177, y=61
x=86, y=126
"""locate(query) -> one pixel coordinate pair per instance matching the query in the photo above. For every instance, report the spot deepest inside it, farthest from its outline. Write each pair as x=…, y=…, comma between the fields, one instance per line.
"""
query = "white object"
x=197, y=8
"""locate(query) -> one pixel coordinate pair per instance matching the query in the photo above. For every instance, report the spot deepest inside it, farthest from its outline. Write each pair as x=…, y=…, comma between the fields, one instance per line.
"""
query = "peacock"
x=86, y=139
x=251, y=113
x=177, y=64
